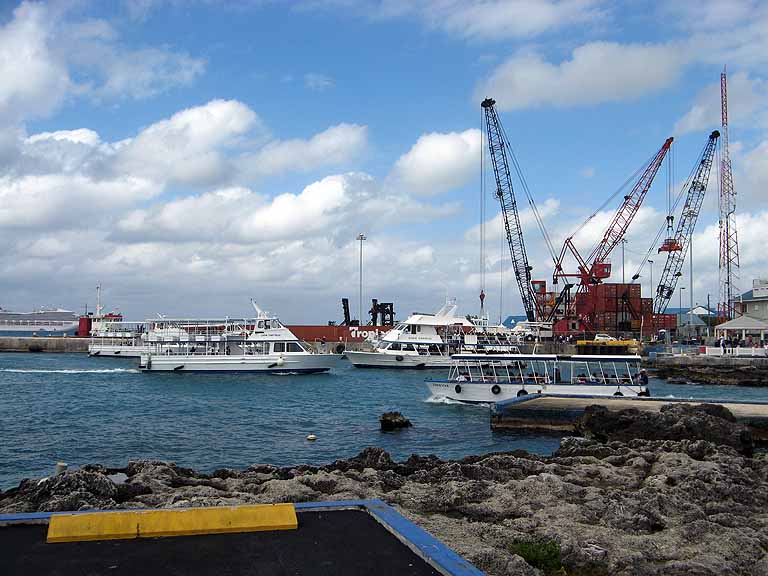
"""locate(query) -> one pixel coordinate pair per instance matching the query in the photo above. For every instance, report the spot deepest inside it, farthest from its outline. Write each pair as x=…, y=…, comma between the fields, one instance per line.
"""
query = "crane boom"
x=593, y=270
x=625, y=214
x=677, y=247
x=506, y=195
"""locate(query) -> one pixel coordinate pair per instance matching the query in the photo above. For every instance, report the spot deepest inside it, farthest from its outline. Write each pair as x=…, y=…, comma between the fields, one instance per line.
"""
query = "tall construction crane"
x=729, y=243
x=497, y=145
x=594, y=269
x=677, y=246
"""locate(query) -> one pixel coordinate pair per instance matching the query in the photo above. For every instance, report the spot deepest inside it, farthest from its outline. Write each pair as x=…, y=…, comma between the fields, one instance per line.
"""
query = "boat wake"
x=70, y=371
x=443, y=400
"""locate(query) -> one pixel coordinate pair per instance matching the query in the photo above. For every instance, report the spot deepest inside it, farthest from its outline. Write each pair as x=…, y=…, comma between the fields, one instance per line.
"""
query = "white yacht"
x=428, y=340
x=261, y=344
x=486, y=379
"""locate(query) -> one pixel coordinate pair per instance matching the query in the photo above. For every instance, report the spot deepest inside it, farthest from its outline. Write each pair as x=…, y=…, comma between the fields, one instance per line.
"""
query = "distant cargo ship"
x=43, y=322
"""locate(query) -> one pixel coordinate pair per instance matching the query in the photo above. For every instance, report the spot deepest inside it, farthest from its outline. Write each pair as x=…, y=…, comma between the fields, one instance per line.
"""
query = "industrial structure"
x=598, y=305
x=729, y=244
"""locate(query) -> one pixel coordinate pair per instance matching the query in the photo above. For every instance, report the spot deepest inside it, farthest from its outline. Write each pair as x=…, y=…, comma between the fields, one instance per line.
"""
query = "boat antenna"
x=259, y=312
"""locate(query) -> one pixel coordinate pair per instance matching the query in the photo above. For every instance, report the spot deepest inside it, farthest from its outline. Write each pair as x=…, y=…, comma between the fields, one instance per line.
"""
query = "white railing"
x=736, y=351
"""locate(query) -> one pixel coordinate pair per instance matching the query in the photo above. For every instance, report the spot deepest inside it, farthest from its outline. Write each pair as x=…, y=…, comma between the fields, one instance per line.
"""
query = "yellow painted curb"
x=179, y=522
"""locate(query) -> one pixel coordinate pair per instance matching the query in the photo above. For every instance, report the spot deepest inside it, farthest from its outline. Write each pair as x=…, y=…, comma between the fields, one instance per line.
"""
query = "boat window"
x=293, y=347
x=408, y=347
x=275, y=324
x=279, y=347
x=261, y=324
x=394, y=346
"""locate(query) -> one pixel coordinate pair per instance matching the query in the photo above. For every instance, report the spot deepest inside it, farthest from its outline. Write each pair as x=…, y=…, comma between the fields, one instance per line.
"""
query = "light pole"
x=653, y=295
x=681, y=308
x=623, y=280
x=361, y=237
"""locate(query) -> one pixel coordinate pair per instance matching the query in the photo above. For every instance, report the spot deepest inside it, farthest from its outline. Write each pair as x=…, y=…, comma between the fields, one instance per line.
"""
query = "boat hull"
x=293, y=364
x=491, y=392
x=115, y=351
x=400, y=361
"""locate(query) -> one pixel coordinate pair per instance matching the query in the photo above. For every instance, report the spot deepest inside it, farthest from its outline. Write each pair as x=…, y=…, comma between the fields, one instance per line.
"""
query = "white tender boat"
x=261, y=344
x=428, y=340
x=485, y=379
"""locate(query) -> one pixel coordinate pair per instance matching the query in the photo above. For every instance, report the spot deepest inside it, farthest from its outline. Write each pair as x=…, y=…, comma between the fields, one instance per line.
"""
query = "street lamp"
x=653, y=295
x=361, y=237
x=681, y=305
x=623, y=280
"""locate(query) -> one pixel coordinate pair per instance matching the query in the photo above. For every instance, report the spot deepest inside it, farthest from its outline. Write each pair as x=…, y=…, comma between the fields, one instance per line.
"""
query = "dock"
x=557, y=413
x=343, y=538
x=43, y=344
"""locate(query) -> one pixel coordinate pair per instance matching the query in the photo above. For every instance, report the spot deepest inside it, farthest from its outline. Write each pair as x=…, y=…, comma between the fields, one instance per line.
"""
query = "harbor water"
x=79, y=410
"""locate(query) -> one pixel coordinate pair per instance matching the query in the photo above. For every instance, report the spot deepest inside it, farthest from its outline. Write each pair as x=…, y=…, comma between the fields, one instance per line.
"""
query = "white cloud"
x=423, y=256
x=330, y=207
x=145, y=72
x=59, y=200
x=187, y=146
x=35, y=80
x=746, y=97
x=333, y=146
x=318, y=82
x=596, y=72
x=498, y=19
x=439, y=162
x=494, y=228
x=42, y=49
x=478, y=19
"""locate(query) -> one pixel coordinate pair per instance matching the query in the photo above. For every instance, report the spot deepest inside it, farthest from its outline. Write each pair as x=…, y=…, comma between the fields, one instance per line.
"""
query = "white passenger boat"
x=485, y=379
x=428, y=340
x=260, y=344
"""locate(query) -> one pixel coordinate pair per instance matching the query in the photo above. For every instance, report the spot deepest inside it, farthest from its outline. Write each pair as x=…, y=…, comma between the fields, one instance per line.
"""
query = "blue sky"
x=189, y=155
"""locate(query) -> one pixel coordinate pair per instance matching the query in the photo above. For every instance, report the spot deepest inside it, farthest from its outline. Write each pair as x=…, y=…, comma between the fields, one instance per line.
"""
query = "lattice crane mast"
x=677, y=246
x=497, y=146
x=594, y=269
x=729, y=243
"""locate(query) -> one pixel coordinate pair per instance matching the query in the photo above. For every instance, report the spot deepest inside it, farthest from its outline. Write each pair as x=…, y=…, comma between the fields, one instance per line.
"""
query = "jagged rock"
x=393, y=421
x=647, y=507
x=708, y=422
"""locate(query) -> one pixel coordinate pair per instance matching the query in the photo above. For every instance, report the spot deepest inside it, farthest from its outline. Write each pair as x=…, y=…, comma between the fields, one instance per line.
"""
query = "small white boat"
x=486, y=379
x=261, y=344
x=429, y=340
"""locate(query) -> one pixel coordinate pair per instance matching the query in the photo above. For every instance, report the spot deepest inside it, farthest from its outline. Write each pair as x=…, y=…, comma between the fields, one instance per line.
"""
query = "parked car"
x=604, y=338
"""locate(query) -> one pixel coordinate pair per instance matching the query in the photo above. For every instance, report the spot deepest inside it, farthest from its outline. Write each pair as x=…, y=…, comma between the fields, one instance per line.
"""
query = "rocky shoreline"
x=674, y=493
x=745, y=375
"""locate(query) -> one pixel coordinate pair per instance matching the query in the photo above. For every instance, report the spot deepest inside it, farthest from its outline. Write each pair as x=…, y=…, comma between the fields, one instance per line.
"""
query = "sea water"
x=81, y=410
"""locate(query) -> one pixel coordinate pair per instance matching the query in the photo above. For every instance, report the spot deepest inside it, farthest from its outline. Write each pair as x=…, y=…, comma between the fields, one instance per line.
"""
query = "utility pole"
x=690, y=309
x=623, y=241
x=680, y=314
x=653, y=295
x=361, y=237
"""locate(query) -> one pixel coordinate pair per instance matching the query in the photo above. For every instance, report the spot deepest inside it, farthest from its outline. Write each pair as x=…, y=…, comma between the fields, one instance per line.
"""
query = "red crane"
x=594, y=269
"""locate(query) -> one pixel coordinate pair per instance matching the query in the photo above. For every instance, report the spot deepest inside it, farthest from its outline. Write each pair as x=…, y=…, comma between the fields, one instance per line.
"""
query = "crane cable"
x=529, y=196
x=605, y=204
x=482, y=210
x=673, y=208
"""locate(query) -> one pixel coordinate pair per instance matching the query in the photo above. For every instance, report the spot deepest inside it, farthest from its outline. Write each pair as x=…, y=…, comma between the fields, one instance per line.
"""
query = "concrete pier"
x=559, y=413
x=43, y=344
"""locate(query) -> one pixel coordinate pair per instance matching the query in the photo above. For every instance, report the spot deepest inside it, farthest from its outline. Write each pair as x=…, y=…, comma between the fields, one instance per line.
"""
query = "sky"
x=190, y=155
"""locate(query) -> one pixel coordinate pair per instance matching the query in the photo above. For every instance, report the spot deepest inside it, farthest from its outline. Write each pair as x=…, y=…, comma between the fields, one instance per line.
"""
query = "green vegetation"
x=542, y=555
